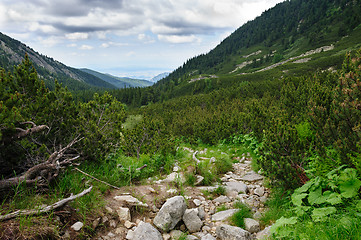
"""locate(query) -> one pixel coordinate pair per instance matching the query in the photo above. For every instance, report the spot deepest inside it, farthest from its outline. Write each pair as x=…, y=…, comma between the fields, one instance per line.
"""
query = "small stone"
x=208, y=237
x=172, y=191
x=197, y=202
x=199, y=180
x=129, y=224
x=77, y=226
x=176, y=234
x=111, y=235
x=223, y=215
x=130, y=200
x=112, y=223
x=166, y=236
x=175, y=169
x=108, y=209
x=96, y=223
x=105, y=219
x=263, y=199
x=206, y=229
x=264, y=233
x=222, y=199
x=259, y=191
x=123, y=214
x=201, y=213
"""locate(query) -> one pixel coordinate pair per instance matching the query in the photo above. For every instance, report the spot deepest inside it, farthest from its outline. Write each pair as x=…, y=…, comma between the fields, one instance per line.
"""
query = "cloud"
x=77, y=36
x=86, y=47
x=76, y=19
x=178, y=38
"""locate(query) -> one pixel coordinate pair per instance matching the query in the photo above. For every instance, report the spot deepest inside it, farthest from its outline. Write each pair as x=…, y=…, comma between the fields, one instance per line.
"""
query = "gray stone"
x=227, y=232
x=236, y=186
x=146, y=231
x=130, y=235
x=123, y=214
x=191, y=237
x=201, y=212
x=192, y=221
x=264, y=233
x=252, y=176
x=197, y=202
x=170, y=213
x=251, y=225
x=259, y=191
x=176, y=234
x=175, y=177
x=222, y=199
x=208, y=237
x=223, y=215
x=77, y=226
x=130, y=200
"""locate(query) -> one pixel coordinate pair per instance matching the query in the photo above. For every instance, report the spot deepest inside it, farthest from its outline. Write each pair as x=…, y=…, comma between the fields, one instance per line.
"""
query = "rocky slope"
x=163, y=209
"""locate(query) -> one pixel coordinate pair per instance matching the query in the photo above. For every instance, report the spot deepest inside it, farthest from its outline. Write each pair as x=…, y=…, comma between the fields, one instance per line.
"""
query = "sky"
x=132, y=38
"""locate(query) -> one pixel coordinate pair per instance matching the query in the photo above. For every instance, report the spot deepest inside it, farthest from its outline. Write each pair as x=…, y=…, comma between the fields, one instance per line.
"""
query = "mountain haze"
x=119, y=82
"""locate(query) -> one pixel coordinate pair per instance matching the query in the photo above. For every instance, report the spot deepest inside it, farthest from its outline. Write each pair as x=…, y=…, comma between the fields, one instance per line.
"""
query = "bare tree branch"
x=44, y=209
x=86, y=174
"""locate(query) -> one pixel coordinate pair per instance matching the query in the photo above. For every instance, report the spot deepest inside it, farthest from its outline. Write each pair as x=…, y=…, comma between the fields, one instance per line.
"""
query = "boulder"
x=251, y=225
x=227, y=232
x=146, y=231
x=192, y=221
x=223, y=215
x=170, y=213
x=222, y=199
x=252, y=176
x=264, y=233
x=236, y=186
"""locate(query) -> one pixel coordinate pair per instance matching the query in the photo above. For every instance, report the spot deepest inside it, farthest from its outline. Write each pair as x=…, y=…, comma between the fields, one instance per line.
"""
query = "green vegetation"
x=237, y=219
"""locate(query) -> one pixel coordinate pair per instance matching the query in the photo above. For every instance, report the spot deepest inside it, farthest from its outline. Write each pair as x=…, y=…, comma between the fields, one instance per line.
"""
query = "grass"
x=237, y=219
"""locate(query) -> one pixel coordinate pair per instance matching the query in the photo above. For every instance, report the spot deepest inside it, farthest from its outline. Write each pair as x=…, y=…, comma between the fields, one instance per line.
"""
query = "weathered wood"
x=44, y=209
x=86, y=174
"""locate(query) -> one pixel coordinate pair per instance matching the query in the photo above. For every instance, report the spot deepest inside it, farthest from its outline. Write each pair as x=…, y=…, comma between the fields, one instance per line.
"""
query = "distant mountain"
x=160, y=77
x=13, y=51
x=119, y=82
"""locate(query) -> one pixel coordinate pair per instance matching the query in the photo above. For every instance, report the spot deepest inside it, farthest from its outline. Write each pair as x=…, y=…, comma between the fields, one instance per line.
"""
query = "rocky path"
x=164, y=209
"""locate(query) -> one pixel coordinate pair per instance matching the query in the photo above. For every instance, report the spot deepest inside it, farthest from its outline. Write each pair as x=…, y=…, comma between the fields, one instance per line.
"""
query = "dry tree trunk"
x=42, y=174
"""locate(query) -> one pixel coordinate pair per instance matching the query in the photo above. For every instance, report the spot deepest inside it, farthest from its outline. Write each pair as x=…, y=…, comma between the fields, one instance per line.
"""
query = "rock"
x=96, y=223
x=129, y=224
x=166, y=236
x=236, y=186
x=146, y=231
x=222, y=199
x=123, y=214
x=208, y=237
x=130, y=200
x=108, y=209
x=174, y=177
x=252, y=176
x=264, y=233
x=257, y=215
x=199, y=180
x=251, y=225
x=172, y=191
x=197, y=202
x=176, y=169
x=263, y=199
x=227, y=232
x=192, y=221
x=77, y=226
x=223, y=215
x=212, y=160
x=130, y=235
x=191, y=237
x=176, y=234
x=259, y=191
x=170, y=213
x=201, y=212
x=112, y=223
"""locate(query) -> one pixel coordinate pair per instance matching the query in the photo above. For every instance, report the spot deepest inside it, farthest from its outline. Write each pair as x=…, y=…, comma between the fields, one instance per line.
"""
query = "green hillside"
x=119, y=82
x=12, y=52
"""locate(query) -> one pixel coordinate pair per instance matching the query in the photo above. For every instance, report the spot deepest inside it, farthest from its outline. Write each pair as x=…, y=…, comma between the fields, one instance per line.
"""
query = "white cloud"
x=77, y=36
x=86, y=47
x=178, y=38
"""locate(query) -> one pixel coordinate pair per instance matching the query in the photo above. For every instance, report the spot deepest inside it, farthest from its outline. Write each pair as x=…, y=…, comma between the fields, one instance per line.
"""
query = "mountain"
x=282, y=33
x=119, y=82
x=13, y=51
x=160, y=77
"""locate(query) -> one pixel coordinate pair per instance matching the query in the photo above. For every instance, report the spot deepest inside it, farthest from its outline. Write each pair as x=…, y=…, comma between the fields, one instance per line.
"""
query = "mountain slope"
x=119, y=82
x=12, y=52
x=287, y=30
x=160, y=77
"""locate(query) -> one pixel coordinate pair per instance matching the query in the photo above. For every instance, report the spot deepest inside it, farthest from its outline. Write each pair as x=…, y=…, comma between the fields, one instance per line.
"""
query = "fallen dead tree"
x=42, y=174
x=44, y=209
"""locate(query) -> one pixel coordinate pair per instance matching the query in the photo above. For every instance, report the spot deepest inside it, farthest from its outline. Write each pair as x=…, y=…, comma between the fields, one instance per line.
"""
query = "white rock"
x=259, y=191
x=222, y=199
x=130, y=200
x=123, y=214
x=129, y=224
x=130, y=235
x=223, y=215
x=264, y=233
x=77, y=226
x=172, y=191
x=208, y=237
x=197, y=202
x=192, y=221
x=146, y=231
x=227, y=232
